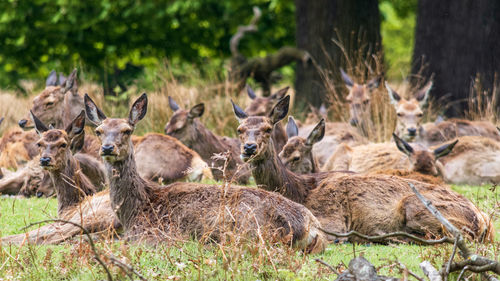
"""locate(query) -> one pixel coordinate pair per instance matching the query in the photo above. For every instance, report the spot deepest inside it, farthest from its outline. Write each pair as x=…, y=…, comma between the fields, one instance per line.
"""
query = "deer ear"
x=317, y=133
x=280, y=93
x=196, y=111
x=251, y=93
x=138, y=110
x=94, y=114
x=374, y=83
x=291, y=128
x=173, y=105
x=70, y=83
x=444, y=149
x=402, y=145
x=62, y=79
x=76, y=132
x=280, y=110
x=51, y=79
x=39, y=126
x=240, y=113
x=423, y=94
x=323, y=111
x=347, y=80
x=393, y=96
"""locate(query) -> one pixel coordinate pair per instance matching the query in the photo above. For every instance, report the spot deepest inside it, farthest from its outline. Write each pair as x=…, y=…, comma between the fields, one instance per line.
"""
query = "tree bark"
x=458, y=39
x=355, y=23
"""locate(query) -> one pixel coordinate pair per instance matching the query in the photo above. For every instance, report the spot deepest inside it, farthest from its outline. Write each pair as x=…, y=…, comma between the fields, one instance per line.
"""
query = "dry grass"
x=483, y=103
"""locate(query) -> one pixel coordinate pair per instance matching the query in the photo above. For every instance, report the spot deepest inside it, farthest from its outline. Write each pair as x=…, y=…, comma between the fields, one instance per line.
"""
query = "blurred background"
x=119, y=44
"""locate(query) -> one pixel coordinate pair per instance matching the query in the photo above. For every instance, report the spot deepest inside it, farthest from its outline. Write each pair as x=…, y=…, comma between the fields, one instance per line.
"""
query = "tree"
x=458, y=40
x=354, y=23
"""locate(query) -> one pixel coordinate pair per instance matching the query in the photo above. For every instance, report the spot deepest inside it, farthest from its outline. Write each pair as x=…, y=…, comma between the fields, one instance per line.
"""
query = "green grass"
x=187, y=260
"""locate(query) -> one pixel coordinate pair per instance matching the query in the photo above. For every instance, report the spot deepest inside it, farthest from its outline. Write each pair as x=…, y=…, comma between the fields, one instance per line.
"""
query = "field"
x=188, y=260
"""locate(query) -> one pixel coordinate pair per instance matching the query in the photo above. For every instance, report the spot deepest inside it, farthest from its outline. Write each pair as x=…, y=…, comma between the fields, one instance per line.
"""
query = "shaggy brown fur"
x=147, y=211
x=164, y=158
x=370, y=204
x=17, y=148
x=185, y=126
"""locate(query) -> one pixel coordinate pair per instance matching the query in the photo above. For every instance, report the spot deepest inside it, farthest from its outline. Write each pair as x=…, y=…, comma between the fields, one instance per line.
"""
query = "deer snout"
x=22, y=123
x=39, y=194
x=107, y=149
x=45, y=161
x=250, y=148
x=354, y=122
x=412, y=131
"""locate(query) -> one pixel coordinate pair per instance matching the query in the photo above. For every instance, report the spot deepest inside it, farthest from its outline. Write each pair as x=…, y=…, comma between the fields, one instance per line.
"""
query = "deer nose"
x=107, y=149
x=250, y=148
x=39, y=194
x=412, y=131
x=354, y=122
x=22, y=123
x=45, y=161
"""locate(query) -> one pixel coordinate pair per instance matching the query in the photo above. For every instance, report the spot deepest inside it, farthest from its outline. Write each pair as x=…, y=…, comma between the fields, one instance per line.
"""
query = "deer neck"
x=70, y=184
x=271, y=174
x=206, y=143
x=129, y=193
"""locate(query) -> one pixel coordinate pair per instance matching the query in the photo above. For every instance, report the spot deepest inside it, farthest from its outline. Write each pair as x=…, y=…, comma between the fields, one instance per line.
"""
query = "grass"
x=187, y=260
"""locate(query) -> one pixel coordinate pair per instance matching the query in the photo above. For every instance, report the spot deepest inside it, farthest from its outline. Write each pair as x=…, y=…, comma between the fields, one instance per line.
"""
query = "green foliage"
x=398, y=32
x=106, y=37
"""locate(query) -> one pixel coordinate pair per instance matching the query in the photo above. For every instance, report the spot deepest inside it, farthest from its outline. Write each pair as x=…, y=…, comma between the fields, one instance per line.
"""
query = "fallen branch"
x=327, y=265
x=383, y=237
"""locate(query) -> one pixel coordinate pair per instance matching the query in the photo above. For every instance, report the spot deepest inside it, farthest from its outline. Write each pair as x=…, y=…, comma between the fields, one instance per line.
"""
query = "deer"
x=370, y=204
x=190, y=209
x=409, y=121
x=260, y=106
x=78, y=199
x=185, y=126
x=297, y=154
x=359, y=100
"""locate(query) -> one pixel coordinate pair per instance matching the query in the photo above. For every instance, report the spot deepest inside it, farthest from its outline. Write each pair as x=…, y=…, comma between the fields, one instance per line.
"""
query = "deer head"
x=359, y=97
x=255, y=131
x=181, y=125
x=260, y=106
x=115, y=133
x=423, y=160
x=409, y=112
x=56, y=146
x=52, y=105
x=297, y=152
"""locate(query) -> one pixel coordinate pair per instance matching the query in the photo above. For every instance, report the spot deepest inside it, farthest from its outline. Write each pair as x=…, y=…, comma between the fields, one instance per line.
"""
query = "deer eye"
x=269, y=130
x=420, y=115
x=400, y=114
x=127, y=132
x=64, y=145
x=49, y=104
x=38, y=144
x=296, y=158
x=240, y=131
x=98, y=133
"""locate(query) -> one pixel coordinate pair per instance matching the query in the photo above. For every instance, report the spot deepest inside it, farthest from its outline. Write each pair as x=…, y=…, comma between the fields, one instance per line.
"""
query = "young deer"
x=145, y=209
x=187, y=128
x=359, y=100
x=297, y=154
x=260, y=106
x=370, y=204
x=409, y=125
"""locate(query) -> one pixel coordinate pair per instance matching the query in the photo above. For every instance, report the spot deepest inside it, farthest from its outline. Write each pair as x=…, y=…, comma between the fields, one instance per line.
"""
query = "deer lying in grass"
x=260, y=106
x=185, y=126
x=17, y=147
x=148, y=212
x=409, y=125
x=297, y=154
x=76, y=198
x=359, y=101
x=370, y=204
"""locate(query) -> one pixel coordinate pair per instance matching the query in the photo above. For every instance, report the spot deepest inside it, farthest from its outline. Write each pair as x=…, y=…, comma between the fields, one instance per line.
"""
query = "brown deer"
x=359, y=100
x=145, y=209
x=260, y=106
x=297, y=154
x=185, y=126
x=409, y=125
x=370, y=204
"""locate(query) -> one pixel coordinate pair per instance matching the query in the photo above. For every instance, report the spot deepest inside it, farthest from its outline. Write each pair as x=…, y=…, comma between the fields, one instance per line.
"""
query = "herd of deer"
x=319, y=176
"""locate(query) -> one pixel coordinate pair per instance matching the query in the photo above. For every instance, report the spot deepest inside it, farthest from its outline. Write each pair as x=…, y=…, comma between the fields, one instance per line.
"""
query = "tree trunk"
x=320, y=21
x=458, y=39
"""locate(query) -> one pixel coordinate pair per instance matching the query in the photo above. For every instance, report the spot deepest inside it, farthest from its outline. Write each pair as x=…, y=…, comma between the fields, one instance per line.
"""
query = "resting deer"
x=192, y=209
x=409, y=125
x=370, y=204
x=297, y=154
x=359, y=101
x=185, y=126
x=76, y=198
x=260, y=106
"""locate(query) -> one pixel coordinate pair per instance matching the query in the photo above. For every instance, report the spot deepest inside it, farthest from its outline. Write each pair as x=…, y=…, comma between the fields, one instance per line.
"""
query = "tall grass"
x=483, y=104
